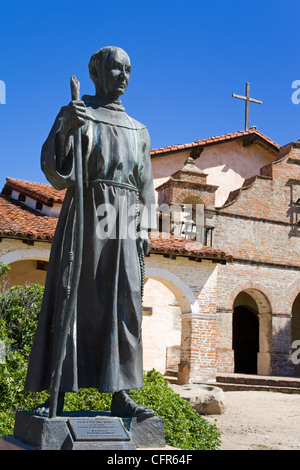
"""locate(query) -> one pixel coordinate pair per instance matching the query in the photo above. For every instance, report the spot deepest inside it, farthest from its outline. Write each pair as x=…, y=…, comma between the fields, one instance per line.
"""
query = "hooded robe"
x=104, y=347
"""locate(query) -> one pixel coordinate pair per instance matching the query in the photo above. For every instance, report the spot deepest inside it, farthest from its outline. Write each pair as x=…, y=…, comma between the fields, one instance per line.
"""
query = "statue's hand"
x=74, y=117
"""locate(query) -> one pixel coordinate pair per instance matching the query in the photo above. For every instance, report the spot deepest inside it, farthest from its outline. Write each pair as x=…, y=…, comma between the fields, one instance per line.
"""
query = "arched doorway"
x=27, y=266
x=252, y=333
x=296, y=333
x=27, y=271
x=161, y=328
x=245, y=339
x=171, y=322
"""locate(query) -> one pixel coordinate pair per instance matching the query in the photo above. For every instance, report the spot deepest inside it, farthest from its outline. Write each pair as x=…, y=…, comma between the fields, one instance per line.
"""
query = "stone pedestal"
x=86, y=431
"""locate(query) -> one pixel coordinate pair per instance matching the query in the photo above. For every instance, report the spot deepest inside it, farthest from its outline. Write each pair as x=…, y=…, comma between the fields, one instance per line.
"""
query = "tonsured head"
x=110, y=69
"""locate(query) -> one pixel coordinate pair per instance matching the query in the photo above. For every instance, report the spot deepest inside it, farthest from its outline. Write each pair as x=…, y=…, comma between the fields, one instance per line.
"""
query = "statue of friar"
x=104, y=346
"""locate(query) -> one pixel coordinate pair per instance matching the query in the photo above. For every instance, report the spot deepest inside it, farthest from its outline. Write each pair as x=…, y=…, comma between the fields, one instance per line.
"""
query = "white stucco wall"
x=227, y=165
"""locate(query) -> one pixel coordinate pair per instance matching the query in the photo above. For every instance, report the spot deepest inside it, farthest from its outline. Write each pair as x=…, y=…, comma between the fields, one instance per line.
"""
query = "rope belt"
x=114, y=183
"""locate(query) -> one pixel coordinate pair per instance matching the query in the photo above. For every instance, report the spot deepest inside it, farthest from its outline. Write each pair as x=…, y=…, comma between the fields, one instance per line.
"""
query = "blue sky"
x=188, y=57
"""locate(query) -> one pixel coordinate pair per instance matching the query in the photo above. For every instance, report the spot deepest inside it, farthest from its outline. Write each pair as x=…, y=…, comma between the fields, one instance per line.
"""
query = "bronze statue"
x=104, y=345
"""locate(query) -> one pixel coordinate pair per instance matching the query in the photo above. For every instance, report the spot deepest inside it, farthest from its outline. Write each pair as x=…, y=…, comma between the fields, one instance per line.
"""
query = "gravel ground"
x=259, y=420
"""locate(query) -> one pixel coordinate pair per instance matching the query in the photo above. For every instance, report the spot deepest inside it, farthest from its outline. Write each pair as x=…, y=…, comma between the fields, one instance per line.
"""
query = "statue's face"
x=115, y=76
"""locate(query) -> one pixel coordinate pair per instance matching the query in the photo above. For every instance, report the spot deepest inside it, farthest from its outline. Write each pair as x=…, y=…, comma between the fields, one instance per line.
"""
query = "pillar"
x=224, y=351
x=281, y=351
x=198, y=348
x=264, y=357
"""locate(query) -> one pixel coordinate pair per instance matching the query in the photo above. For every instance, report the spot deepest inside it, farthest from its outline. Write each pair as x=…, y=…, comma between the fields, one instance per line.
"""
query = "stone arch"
x=27, y=266
x=187, y=305
x=31, y=253
x=292, y=307
x=263, y=297
x=252, y=299
x=190, y=195
x=184, y=295
x=292, y=292
x=161, y=327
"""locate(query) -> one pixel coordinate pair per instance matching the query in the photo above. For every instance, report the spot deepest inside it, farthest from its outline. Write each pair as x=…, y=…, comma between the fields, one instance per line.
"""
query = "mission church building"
x=222, y=291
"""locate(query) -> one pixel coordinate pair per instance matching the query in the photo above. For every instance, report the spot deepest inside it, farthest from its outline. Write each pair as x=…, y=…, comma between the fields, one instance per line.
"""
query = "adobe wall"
x=22, y=259
x=227, y=165
x=161, y=328
x=12, y=250
x=267, y=197
x=26, y=271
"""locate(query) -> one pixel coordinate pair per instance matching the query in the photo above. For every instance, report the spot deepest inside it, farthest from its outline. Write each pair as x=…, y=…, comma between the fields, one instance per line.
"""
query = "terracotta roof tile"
x=217, y=139
x=19, y=221
x=165, y=243
x=42, y=192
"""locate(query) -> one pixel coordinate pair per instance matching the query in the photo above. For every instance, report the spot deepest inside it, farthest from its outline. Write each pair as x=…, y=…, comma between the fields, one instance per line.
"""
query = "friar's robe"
x=104, y=348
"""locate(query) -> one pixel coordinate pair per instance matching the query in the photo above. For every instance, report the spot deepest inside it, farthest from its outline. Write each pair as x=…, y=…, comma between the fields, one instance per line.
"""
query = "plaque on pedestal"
x=98, y=433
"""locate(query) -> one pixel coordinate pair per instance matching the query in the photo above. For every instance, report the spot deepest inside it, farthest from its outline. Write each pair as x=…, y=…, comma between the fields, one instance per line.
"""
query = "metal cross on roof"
x=247, y=99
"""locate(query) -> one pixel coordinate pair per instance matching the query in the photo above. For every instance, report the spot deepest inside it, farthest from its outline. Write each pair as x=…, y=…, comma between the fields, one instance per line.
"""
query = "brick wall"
x=274, y=290
x=257, y=227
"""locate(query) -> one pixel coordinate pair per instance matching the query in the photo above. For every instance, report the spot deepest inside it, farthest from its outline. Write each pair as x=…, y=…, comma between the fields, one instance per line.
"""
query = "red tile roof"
x=164, y=243
x=19, y=221
x=218, y=140
x=42, y=192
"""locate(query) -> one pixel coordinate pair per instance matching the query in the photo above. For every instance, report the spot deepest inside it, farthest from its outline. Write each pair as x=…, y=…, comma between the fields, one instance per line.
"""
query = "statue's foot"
x=124, y=407
x=43, y=410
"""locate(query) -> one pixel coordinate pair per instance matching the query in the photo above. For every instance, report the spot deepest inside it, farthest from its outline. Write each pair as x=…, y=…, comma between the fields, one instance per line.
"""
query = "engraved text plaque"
x=98, y=429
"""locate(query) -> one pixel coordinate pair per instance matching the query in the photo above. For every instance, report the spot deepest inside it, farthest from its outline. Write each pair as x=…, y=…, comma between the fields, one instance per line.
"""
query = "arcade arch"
x=161, y=328
x=166, y=298
x=252, y=332
x=27, y=266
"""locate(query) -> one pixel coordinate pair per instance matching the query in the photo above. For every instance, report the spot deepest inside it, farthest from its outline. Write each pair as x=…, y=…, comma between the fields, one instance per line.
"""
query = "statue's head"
x=110, y=70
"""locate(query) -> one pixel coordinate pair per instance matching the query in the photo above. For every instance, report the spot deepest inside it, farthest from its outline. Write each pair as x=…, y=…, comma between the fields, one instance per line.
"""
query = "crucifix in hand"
x=247, y=99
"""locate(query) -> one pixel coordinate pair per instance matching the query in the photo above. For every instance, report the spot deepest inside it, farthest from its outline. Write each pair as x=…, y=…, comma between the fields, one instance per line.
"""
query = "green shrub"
x=184, y=427
x=3, y=268
x=19, y=308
